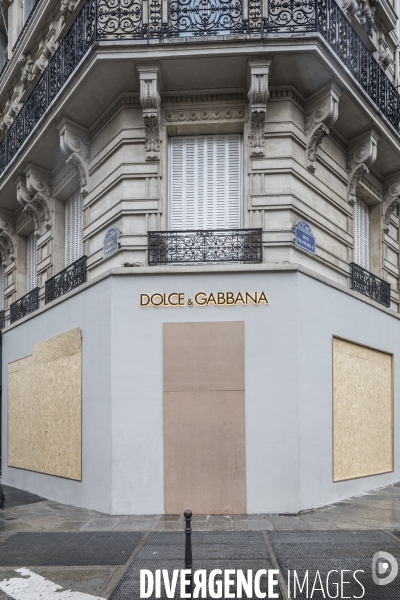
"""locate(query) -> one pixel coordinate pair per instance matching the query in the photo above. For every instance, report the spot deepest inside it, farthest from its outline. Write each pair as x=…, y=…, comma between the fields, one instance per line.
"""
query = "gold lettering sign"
x=178, y=300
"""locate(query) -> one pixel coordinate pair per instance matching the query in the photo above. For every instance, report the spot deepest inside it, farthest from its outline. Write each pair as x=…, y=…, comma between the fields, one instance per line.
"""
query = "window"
x=205, y=182
x=3, y=50
x=361, y=234
x=27, y=8
x=2, y=287
x=73, y=229
x=31, y=263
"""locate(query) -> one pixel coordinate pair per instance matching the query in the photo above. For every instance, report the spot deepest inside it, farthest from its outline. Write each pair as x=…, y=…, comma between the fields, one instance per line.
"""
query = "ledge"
x=201, y=270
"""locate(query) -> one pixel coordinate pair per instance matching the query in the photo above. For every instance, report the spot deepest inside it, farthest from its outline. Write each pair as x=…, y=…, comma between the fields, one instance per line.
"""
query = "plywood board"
x=45, y=406
x=204, y=424
x=362, y=411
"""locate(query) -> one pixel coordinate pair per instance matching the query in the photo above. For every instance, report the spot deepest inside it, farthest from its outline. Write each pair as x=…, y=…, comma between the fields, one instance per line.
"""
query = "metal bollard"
x=188, y=548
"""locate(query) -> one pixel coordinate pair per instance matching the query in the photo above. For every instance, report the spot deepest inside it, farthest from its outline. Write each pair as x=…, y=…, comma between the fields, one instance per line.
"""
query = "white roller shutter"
x=31, y=263
x=205, y=182
x=2, y=286
x=73, y=229
x=361, y=234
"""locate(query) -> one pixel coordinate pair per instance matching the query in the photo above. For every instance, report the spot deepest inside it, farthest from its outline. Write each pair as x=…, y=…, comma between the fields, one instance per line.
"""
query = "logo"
x=384, y=568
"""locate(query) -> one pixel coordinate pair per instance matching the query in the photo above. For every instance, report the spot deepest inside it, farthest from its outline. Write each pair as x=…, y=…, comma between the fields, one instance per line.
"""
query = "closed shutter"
x=361, y=234
x=73, y=229
x=31, y=262
x=27, y=7
x=2, y=286
x=205, y=182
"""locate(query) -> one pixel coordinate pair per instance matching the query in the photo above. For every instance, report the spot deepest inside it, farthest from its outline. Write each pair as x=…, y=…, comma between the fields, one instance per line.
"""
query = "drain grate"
x=211, y=550
x=326, y=551
x=68, y=549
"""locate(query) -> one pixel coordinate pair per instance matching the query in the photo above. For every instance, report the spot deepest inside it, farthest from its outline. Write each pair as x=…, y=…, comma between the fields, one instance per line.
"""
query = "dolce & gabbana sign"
x=178, y=299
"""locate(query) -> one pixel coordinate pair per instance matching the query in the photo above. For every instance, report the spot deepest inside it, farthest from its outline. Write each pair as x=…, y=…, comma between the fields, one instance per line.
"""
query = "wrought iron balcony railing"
x=25, y=305
x=158, y=19
x=218, y=245
x=370, y=285
x=2, y=319
x=66, y=280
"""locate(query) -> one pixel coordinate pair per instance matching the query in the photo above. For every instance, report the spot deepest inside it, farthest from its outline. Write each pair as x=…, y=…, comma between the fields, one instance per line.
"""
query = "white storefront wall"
x=288, y=382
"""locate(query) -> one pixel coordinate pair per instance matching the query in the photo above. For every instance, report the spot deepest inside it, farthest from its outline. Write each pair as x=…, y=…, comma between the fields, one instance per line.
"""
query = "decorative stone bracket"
x=7, y=240
x=321, y=114
x=74, y=143
x=391, y=198
x=362, y=154
x=258, y=96
x=34, y=194
x=150, y=99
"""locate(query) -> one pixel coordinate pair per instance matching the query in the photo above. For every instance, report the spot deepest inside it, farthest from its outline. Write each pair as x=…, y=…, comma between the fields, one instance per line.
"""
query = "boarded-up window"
x=362, y=411
x=73, y=229
x=205, y=182
x=361, y=234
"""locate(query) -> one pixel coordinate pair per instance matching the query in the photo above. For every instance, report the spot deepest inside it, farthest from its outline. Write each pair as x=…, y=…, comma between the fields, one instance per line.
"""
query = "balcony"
x=118, y=20
x=66, y=280
x=368, y=284
x=205, y=246
x=25, y=305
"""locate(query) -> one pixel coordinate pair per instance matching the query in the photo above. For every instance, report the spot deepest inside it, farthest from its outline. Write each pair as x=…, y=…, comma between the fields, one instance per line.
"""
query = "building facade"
x=199, y=240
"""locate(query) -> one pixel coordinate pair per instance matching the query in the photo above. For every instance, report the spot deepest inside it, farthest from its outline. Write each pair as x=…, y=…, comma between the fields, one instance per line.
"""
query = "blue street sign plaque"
x=304, y=238
x=110, y=243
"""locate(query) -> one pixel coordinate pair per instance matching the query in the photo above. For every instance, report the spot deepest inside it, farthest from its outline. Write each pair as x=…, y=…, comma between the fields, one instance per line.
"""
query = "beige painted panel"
x=204, y=452
x=204, y=425
x=44, y=408
x=362, y=411
x=192, y=363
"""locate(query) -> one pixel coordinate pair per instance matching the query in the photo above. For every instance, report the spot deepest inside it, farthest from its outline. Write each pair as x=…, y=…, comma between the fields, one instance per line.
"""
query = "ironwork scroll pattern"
x=370, y=285
x=70, y=52
x=343, y=39
x=25, y=305
x=291, y=15
x=204, y=17
x=235, y=245
x=66, y=280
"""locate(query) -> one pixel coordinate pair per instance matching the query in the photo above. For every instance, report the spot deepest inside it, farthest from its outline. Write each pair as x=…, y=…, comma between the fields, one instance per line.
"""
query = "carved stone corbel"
x=34, y=194
x=362, y=154
x=391, y=198
x=258, y=96
x=74, y=143
x=7, y=239
x=321, y=114
x=150, y=99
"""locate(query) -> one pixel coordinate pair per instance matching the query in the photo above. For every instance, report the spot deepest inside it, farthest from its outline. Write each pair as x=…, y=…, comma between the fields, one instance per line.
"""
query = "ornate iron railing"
x=2, y=319
x=370, y=285
x=66, y=280
x=218, y=245
x=25, y=305
x=158, y=19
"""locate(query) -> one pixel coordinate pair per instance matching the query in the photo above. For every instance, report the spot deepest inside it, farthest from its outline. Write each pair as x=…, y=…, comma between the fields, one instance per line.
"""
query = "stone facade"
x=313, y=142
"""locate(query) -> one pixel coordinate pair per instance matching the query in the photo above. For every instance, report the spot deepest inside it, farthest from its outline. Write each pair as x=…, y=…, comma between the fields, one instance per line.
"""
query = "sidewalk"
x=101, y=555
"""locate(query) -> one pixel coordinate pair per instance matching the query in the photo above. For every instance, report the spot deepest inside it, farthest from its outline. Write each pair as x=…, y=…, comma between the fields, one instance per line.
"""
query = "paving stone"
x=283, y=522
x=254, y=525
x=97, y=524
x=137, y=525
x=166, y=526
x=219, y=523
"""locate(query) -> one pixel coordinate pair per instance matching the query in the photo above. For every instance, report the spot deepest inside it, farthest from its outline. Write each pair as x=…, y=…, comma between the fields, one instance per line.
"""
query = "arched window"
x=73, y=229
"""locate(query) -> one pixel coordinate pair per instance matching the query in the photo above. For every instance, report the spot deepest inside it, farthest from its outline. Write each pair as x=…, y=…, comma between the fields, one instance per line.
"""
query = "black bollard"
x=188, y=548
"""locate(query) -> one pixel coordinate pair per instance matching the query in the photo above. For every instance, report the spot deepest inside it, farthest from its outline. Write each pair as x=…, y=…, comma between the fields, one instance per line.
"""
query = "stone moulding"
x=391, y=198
x=321, y=114
x=258, y=73
x=150, y=100
x=74, y=143
x=362, y=154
